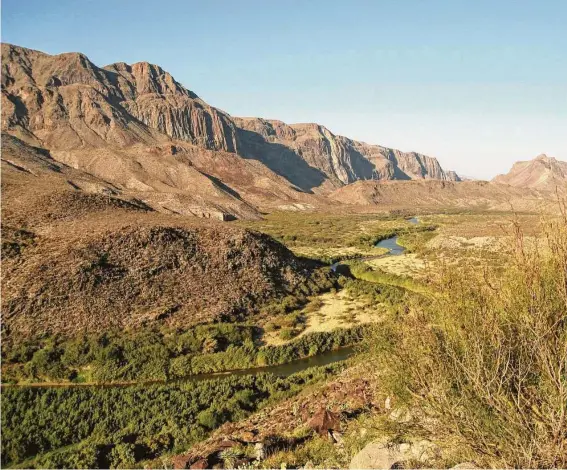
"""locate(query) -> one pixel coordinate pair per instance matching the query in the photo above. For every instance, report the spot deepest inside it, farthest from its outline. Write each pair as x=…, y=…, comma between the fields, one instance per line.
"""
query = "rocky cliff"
x=66, y=103
x=543, y=172
x=307, y=153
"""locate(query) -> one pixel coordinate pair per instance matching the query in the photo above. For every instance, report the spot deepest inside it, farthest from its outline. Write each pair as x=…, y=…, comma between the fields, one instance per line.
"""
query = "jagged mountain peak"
x=149, y=78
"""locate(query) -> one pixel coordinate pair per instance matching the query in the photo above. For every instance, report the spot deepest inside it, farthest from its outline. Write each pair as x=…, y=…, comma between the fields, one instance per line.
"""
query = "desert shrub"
x=490, y=366
x=287, y=334
x=314, y=305
x=362, y=271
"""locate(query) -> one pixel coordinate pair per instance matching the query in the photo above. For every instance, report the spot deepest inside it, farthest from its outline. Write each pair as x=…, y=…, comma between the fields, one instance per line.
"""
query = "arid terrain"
x=193, y=263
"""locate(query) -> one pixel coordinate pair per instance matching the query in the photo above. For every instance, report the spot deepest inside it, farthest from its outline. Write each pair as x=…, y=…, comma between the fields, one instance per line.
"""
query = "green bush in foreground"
x=486, y=361
x=160, y=356
x=119, y=427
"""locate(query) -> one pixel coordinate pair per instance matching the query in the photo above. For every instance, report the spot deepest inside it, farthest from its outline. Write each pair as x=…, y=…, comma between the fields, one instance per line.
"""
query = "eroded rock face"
x=543, y=172
x=285, y=147
x=66, y=102
x=453, y=176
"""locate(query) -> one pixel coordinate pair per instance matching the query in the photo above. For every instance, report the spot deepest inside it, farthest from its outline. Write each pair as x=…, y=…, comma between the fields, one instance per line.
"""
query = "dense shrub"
x=490, y=366
x=154, y=355
x=98, y=427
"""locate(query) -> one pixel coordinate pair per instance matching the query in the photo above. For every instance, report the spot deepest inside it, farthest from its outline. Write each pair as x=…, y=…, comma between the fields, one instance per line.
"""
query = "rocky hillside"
x=482, y=195
x=131, y=113
x=307, y=154
x=79, y=254
x=543, y=172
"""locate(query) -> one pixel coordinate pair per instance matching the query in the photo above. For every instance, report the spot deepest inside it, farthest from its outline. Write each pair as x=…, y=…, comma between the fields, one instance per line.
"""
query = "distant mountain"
x=543, y=172
x=431, y=194
x=295, y=150
x=137, y=127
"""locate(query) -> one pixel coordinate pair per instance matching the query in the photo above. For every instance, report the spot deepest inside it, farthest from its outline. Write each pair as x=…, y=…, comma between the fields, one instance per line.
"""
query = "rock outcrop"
x=453, y=176
x=307, y=153
x=543, y=172
x=67, y=102
x=385, y=455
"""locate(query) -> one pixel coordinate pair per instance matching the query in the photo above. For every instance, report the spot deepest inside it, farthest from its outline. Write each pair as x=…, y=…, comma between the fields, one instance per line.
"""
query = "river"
x=282, y=370
x=391, y=244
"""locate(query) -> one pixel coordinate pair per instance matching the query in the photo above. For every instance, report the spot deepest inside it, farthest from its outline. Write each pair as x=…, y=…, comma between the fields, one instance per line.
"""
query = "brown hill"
x=444, y=194
x=79, y=254
x=542, y=172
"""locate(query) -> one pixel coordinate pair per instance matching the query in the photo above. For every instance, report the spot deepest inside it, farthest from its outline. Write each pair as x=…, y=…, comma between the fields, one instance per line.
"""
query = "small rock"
x=336, y=437
x=200, y=464
x=465, y=466
x=260, y=451
x=324, y=421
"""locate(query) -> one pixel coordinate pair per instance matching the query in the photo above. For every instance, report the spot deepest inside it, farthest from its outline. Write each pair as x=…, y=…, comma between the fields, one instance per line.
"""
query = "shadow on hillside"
x=281, y=160
x=361, y=166
x=223, y=186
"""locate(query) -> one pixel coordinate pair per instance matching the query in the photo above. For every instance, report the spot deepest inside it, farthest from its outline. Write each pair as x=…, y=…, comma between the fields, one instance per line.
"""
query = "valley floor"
x=318, y=417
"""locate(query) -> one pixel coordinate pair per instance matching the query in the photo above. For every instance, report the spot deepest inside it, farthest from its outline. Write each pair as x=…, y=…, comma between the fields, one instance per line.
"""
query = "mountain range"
x=158, y=140
x=140, y=131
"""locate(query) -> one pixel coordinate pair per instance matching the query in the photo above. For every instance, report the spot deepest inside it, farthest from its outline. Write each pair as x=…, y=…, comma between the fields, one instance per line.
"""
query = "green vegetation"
x=370, y=293
x=331, y=238
x=490, y=367
x=361, y=270
x=160, y=355
x=119, y=427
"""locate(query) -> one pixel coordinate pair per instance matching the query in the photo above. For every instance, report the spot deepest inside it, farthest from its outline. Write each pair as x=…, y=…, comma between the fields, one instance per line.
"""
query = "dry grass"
x=330, y=311
x=489, y=370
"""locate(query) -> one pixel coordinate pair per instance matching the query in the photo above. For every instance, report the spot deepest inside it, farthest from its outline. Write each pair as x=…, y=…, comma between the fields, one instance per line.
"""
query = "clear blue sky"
x=477, y=83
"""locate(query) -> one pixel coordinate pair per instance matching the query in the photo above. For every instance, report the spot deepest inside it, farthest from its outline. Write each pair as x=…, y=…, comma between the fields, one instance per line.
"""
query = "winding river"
x=391, y=244
x=282, y=370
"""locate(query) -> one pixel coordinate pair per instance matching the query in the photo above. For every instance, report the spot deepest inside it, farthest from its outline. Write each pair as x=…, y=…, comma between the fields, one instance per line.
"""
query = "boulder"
x=227, y=444
x=324, y=421
x=386, y=455
x=180, y=461
x=200, y=464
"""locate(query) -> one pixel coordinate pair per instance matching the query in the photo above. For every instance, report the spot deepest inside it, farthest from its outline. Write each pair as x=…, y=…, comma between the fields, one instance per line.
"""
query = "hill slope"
x=79, y=254
x=542, y=172
x=445, y=194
